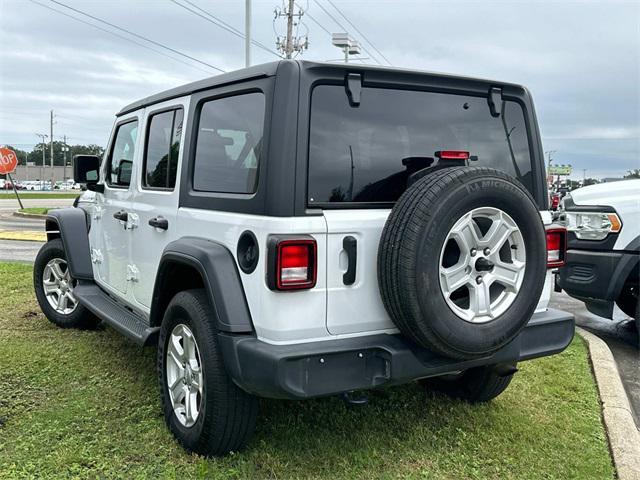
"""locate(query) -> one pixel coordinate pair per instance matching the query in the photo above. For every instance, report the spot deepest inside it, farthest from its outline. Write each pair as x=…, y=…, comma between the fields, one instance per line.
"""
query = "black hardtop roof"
x=271, y=68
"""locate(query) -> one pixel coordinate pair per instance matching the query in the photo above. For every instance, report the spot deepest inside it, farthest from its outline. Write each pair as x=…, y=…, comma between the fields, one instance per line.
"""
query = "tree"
x=590, y=181
x=35, y=155
x=635, y=173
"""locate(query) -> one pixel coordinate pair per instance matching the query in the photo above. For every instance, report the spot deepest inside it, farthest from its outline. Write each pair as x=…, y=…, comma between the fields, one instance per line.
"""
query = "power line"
x=222, y=24
x=359, y=32
x=137, y=35
x=119, y=36
x=344, y=29
x=317, y=23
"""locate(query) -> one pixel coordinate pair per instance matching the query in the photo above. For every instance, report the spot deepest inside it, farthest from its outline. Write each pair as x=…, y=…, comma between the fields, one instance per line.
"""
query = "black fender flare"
x=72, y=227
x=219, y=272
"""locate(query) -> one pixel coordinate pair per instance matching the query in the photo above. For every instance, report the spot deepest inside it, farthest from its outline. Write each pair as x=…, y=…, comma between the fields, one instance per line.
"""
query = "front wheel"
x=476, y=385
x=54, y=286
x=206, y=412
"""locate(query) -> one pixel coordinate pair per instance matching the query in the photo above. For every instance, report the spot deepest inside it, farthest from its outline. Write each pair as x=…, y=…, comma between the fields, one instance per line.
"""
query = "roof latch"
x=353, y=84
x=495, y=101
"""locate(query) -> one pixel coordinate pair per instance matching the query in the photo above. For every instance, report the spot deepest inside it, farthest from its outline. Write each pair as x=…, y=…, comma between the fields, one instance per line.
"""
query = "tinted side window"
x=366, y=154
x=163, y=146
x=229, y=143
x=120, y=160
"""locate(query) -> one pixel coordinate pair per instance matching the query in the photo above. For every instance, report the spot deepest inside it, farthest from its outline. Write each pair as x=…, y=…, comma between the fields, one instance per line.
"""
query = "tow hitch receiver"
x=355, y=399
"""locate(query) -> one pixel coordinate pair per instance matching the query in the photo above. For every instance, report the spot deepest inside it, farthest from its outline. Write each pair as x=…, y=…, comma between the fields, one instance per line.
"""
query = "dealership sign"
x=560, y=170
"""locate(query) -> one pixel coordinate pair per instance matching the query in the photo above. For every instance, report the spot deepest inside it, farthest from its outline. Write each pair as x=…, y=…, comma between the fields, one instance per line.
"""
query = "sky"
x=580, y=60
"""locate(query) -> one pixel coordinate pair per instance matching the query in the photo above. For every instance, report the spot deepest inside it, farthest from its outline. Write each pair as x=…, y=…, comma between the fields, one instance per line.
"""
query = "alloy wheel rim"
x=58, y=286
x=482, y=265
x=184, y=375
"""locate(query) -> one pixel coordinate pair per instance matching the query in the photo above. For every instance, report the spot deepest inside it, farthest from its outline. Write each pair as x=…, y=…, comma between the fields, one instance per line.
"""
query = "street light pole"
x=42, y=136
x=247, y=33
x=53, y=180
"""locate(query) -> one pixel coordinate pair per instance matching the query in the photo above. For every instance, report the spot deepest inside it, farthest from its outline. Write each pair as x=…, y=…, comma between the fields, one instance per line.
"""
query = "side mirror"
x=124, y=172
x=86, y=170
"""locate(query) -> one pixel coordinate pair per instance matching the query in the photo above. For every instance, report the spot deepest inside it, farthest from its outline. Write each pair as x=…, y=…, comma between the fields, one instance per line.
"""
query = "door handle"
x=121, y=215
x=350, y=245
x=159, y=222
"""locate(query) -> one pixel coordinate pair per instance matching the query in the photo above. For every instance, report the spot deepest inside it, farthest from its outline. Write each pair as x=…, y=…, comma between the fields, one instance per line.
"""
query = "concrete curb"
x=624, y=437
x=28, y=215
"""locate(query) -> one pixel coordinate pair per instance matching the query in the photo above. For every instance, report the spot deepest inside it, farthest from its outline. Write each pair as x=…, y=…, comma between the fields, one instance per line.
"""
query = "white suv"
x=297, y=229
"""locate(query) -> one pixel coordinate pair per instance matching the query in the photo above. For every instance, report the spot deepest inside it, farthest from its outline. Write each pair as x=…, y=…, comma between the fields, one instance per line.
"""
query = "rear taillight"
x=556, y=246
x=292, y=263
x=452, y=155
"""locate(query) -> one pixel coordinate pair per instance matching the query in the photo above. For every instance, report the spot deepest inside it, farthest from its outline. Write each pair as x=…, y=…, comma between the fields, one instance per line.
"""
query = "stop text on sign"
x=8, y=161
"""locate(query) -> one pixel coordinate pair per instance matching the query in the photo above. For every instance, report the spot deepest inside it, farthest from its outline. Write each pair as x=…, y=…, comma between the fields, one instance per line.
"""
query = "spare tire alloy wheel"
x=462, y=261
x=481, y=274
x=184, y=375
x=57, y=285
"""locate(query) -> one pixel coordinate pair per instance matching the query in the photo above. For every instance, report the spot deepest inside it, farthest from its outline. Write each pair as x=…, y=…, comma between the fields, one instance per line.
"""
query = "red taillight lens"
x=295, y=265
x=452, y=155
x=556, y=246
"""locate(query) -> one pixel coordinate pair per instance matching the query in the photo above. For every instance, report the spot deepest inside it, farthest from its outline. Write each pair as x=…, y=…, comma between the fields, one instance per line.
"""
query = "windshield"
x=367, y=153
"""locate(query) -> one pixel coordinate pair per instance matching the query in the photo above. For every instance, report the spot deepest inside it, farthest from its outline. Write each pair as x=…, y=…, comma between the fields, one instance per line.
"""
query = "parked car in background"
x=603, y=256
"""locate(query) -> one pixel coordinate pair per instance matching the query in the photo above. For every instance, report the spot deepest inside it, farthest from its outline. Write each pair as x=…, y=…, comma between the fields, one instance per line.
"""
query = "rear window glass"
x=367, y=153
x=228, y=145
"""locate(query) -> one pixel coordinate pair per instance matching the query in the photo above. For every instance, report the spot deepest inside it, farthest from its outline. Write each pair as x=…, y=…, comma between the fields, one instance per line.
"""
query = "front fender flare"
x=73, y=229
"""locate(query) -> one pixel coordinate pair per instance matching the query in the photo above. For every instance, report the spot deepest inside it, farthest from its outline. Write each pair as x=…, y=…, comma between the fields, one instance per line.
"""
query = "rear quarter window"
x=366, y=153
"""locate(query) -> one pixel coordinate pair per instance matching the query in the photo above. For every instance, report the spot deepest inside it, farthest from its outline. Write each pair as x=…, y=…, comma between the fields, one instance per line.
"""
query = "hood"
x=607, y=193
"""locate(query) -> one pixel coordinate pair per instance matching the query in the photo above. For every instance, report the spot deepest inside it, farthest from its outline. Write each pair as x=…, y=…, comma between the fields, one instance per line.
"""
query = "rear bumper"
x=334, y=366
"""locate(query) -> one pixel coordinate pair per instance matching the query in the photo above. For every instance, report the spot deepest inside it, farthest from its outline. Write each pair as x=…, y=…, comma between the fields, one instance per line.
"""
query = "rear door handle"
x=121, y=215
x=350, y=245
x=159, y=222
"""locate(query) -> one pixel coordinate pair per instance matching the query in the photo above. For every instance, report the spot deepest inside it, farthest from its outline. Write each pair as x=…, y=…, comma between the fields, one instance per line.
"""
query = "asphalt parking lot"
x=621, y=336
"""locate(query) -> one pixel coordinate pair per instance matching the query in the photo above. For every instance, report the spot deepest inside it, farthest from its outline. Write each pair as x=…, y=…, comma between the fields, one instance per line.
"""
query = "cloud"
x=580, y=60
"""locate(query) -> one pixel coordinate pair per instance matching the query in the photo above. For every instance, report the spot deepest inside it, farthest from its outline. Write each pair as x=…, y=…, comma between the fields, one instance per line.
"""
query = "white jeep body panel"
x=624, y=196
x=358, y=308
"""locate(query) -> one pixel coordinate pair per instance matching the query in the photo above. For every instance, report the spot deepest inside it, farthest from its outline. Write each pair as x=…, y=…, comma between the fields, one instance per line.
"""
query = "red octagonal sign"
x=8, y=161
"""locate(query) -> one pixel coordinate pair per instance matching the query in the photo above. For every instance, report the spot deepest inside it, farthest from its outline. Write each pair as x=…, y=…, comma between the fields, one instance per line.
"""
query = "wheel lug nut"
x=473, y=252
x=479, y=279
x=487, y=251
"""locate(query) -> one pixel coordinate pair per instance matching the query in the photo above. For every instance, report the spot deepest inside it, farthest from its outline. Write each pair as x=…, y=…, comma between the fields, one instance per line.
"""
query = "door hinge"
x=132, y=273
x=96, y=256
x=133, y=220
x=353, y=84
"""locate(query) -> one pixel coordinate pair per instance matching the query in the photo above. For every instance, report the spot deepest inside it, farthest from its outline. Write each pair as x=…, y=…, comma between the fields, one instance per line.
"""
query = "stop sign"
x=8, y=161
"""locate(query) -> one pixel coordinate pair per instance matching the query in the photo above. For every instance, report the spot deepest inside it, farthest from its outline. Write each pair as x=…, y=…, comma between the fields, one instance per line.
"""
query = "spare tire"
x=462, y=261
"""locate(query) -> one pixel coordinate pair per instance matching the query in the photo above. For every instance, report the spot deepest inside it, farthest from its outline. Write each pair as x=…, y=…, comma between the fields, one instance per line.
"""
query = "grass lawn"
x=43, y=195
x=35, y=210
x=85, y=404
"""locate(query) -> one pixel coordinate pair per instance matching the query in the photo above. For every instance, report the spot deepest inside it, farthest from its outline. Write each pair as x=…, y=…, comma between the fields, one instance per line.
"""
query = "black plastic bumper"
x=596, y=277
x=329, y=367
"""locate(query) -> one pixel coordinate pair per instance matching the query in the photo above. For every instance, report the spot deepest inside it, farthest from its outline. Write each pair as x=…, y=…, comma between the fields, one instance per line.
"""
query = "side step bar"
x=120, y=318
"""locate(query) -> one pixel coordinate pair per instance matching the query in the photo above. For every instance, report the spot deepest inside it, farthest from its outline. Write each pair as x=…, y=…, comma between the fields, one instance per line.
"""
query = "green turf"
x=35, y=210
x=84, y=404
x=43, y=195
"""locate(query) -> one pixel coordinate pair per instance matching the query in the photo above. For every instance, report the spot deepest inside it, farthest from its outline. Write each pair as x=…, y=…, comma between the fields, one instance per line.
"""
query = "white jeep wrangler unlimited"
x=296, y=229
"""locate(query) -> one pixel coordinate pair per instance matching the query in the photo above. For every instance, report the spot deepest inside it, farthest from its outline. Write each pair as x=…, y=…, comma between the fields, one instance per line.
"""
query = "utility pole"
x=42, y=136
x=64, y=158
x=290, y=44
x=53, y=180
x=247, y=33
